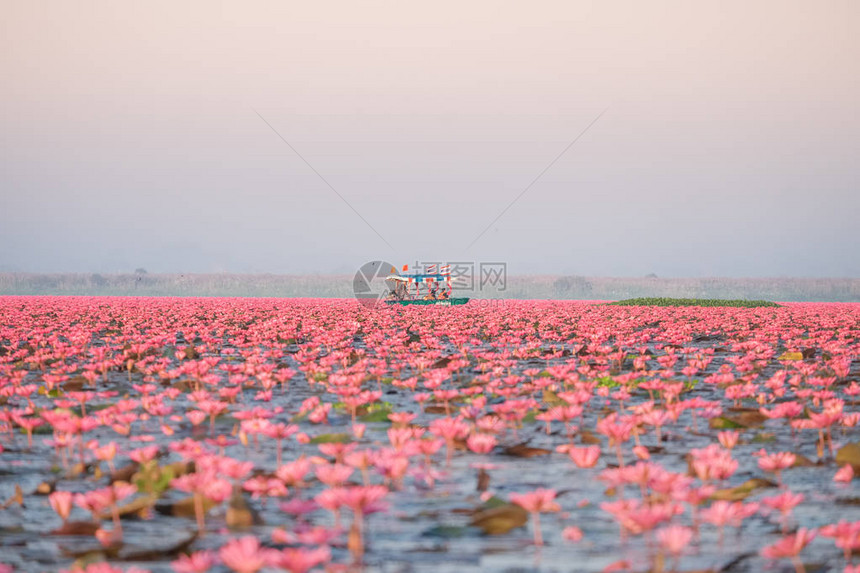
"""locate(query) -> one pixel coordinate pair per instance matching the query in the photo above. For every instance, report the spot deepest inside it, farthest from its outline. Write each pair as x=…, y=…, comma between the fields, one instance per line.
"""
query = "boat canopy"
x=418, y=279
x=437, y=283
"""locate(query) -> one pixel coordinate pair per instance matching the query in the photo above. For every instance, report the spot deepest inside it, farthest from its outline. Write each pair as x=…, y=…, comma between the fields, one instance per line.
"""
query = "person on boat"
x=400, y=291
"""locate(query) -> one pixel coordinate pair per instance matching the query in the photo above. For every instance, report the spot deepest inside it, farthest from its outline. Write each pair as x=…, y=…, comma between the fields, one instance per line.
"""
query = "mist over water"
x=129, y=137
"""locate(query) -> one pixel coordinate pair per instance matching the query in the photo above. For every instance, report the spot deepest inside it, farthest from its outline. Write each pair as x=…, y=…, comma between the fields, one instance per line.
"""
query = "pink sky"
x=730, y=145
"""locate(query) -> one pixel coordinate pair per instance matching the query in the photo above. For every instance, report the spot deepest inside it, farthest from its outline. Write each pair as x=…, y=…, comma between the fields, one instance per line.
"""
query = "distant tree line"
x=517, y=287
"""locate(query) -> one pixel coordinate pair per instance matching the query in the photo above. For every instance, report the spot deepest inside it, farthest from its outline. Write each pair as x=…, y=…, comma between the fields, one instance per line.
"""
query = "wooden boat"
x=438, y=288
x=437, y=302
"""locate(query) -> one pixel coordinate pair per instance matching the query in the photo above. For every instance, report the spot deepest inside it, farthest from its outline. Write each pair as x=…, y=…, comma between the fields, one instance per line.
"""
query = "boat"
x=438, y=287
x=449, y=302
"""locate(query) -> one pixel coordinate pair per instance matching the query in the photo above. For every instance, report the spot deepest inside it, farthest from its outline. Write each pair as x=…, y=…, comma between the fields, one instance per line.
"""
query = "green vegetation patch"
x=655, y=301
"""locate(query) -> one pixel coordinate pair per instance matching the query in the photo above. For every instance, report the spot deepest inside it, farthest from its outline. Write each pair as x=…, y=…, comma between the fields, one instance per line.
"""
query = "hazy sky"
x=730, y=145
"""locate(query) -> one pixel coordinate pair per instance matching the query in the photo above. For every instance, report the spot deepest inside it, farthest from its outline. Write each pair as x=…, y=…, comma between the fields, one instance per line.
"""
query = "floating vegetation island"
x=655, y=301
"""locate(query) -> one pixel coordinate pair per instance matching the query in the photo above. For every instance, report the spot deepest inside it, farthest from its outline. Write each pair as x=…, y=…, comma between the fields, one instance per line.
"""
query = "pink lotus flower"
x=302, y=560
x=537, y=502
x=785, y=502
x=790, y=546
x=108, y=538
x=713, y=462
x=641, y=452
x=776, y=462
x=143, y=455
x=585, y=457
x=846, y=536
x=845, y=474
x=728, y=438
x=312, y=536
x=401, y=419
x=245, y=555
x=674, y=538
x=620, y=565
x=261, y=486
x=293, y=473
x=450, y=429
x=618, y=431
x=196, y=417
x=197, y=562
x=572, y=534
x=101, y=567
x=364, y=499
x=61, y=502
x=481, y=443
x=722, y=513
x=334, y=474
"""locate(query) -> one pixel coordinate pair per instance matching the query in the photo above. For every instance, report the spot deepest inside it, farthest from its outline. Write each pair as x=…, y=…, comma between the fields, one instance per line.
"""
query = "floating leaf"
x=723, y=423
x=377, y=413
x=764, y=438
x=136, y=508
x=184, y=385
x=125, y=473
x=154, y=479
x=744, y=490
x=493, y=502
x=525, y=451
x=45, y=488
x=791, y=356
x=551, y=398
x=588, y=438
x=446, y=531
x=78, y=469
x=77, y=528
x=500, y=520
x=337, y=438
x=435, y=409
x=849, y=454
x=74, y=384
x=184, y=507
x=746, y=419
x=240, y=515
x=530, y=417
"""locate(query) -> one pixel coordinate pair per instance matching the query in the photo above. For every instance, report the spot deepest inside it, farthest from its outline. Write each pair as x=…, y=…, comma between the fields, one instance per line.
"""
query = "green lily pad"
x=500, y=520
x=849, y=454
x=337, y=438
x=447, y=531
